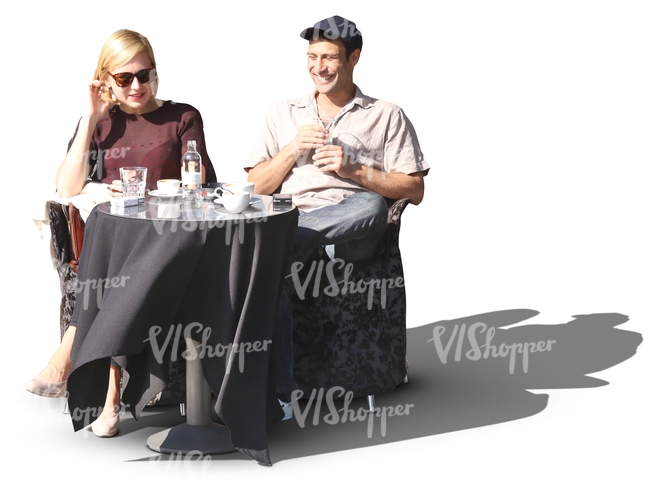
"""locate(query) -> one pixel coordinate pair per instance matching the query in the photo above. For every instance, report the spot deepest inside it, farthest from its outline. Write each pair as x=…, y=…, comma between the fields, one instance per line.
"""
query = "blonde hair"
x=118, y=50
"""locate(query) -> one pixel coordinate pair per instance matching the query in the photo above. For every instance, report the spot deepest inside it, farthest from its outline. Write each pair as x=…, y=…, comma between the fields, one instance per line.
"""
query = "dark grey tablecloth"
x=173, y=274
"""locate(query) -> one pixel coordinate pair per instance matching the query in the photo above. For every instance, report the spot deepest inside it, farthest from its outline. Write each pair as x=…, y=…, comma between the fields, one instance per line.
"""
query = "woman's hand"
x=115, y=189
x=72, y=173
x=95, y=108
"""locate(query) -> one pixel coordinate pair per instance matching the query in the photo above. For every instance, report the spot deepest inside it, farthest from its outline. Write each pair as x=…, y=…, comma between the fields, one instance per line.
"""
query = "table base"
x=206, y=439
x=199, y=434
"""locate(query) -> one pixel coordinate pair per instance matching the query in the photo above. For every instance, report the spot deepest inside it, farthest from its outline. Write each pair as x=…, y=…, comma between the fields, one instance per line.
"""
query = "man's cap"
x=335, y=28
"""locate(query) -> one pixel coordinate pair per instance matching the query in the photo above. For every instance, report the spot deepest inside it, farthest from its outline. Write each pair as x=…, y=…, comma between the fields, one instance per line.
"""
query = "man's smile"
x=324, y=79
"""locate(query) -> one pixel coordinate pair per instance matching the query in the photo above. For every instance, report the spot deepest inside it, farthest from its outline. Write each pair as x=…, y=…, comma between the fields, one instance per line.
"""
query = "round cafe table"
x=154, y=276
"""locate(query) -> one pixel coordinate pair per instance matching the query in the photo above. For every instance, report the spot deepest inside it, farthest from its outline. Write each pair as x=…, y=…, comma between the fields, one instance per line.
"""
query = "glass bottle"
x=191, y=174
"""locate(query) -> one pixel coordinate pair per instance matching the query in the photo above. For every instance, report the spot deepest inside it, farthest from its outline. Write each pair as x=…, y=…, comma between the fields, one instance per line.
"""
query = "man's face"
x=328, y=66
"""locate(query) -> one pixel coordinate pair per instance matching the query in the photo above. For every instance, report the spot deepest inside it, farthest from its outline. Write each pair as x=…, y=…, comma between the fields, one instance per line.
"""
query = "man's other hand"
x=332, y=158
x=309, y=137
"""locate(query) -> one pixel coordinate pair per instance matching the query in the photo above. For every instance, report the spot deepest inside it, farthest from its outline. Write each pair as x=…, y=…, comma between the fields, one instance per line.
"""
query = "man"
x=338, y=184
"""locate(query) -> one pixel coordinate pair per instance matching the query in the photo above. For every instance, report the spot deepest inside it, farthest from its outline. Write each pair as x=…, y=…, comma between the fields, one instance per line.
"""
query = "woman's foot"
x=49, y=383
x=108, y=423
x=52, y=380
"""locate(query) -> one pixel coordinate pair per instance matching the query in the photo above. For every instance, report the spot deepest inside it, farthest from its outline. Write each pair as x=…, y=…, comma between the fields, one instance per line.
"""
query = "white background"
x=534, y=118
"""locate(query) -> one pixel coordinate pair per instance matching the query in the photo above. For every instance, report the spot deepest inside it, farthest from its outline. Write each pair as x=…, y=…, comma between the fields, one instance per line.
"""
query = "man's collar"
x=309, y=100
x=360, y=99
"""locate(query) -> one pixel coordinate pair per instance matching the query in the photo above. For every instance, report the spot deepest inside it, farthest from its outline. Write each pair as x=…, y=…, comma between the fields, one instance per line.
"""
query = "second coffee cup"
x=248, y=187
x=235, y=201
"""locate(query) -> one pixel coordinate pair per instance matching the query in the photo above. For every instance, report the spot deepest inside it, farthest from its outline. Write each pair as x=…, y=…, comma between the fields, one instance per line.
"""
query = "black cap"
x=335, y=28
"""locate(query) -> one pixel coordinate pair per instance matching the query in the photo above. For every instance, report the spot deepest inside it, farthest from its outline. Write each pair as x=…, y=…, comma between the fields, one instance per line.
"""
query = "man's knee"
x=371, y=205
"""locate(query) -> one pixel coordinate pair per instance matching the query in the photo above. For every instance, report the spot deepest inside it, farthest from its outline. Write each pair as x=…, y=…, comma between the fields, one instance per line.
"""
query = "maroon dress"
x=156, y=140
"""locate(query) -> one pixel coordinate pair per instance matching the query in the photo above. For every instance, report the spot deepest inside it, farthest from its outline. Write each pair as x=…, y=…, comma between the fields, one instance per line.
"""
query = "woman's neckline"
x=161, y=104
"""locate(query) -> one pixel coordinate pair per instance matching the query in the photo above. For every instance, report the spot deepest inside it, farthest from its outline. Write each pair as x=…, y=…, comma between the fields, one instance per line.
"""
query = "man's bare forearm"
x=393, y=185
x=269, y=175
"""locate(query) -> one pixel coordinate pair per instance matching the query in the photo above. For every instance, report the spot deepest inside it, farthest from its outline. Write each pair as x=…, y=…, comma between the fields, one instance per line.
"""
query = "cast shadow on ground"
x=465, y=393
x=454, y=387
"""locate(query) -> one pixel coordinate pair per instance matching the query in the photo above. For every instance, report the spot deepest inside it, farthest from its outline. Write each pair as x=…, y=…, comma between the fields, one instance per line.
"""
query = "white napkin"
x=90, y=196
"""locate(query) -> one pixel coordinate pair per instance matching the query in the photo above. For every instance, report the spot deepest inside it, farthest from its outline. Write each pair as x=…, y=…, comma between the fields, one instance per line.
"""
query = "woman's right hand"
x=72, y=173
x=95, y=108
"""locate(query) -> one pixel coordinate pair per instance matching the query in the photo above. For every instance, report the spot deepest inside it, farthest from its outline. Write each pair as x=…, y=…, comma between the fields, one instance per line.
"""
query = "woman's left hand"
x=115, y=189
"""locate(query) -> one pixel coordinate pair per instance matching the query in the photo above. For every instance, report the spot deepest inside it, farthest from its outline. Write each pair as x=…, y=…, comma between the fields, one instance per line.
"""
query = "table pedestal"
x=199, y=433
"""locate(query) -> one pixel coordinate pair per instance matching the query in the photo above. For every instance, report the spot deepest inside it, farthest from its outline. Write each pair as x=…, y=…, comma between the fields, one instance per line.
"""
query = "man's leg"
x=350, y=230
x=282, y=353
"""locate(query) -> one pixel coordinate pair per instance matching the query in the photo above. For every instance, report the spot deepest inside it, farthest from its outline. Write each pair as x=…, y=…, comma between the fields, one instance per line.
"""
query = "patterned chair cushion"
x=337, y=339
x=67, y=275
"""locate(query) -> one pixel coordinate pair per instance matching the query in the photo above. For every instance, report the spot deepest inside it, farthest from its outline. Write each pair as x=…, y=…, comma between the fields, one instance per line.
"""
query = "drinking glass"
x=134, y=180
x=327, y=125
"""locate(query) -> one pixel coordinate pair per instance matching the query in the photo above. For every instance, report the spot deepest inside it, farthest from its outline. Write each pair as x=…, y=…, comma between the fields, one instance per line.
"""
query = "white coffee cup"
x=168, y=186
x=235, y=202
x=248, y=187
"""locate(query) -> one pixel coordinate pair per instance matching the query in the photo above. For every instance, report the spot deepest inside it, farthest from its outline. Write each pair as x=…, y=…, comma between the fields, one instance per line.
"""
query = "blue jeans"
x=350, y=230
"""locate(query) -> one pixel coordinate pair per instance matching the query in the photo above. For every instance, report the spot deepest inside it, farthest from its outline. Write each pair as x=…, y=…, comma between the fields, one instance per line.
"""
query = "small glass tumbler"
x=134, y=181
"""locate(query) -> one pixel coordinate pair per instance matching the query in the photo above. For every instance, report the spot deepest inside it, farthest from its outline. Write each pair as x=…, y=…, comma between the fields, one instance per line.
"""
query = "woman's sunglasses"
x=124, y=79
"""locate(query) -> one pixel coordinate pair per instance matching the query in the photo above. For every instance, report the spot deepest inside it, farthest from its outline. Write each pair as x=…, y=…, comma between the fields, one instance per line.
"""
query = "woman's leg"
x=113, y=400
x=108, y=423
x=59, y=367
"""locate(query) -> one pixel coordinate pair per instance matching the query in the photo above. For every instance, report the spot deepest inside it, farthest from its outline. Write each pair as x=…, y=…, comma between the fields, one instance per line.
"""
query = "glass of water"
x=327, y=124
x=134, y=180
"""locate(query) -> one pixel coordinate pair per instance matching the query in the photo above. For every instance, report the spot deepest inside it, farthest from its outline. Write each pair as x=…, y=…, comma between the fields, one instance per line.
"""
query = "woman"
x=123, y=125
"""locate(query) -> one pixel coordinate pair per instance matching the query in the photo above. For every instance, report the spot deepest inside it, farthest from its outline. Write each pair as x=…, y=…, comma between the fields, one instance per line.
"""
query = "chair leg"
x=182, y=409
x=371, y=403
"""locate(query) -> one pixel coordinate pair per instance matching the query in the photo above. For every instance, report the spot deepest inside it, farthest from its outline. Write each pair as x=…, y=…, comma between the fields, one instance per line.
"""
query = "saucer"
x=249, y=212
x=159, y=194
x=255, y=199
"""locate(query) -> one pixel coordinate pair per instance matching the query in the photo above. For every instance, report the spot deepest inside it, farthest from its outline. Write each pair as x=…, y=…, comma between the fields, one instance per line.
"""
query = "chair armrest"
x=395, y=210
